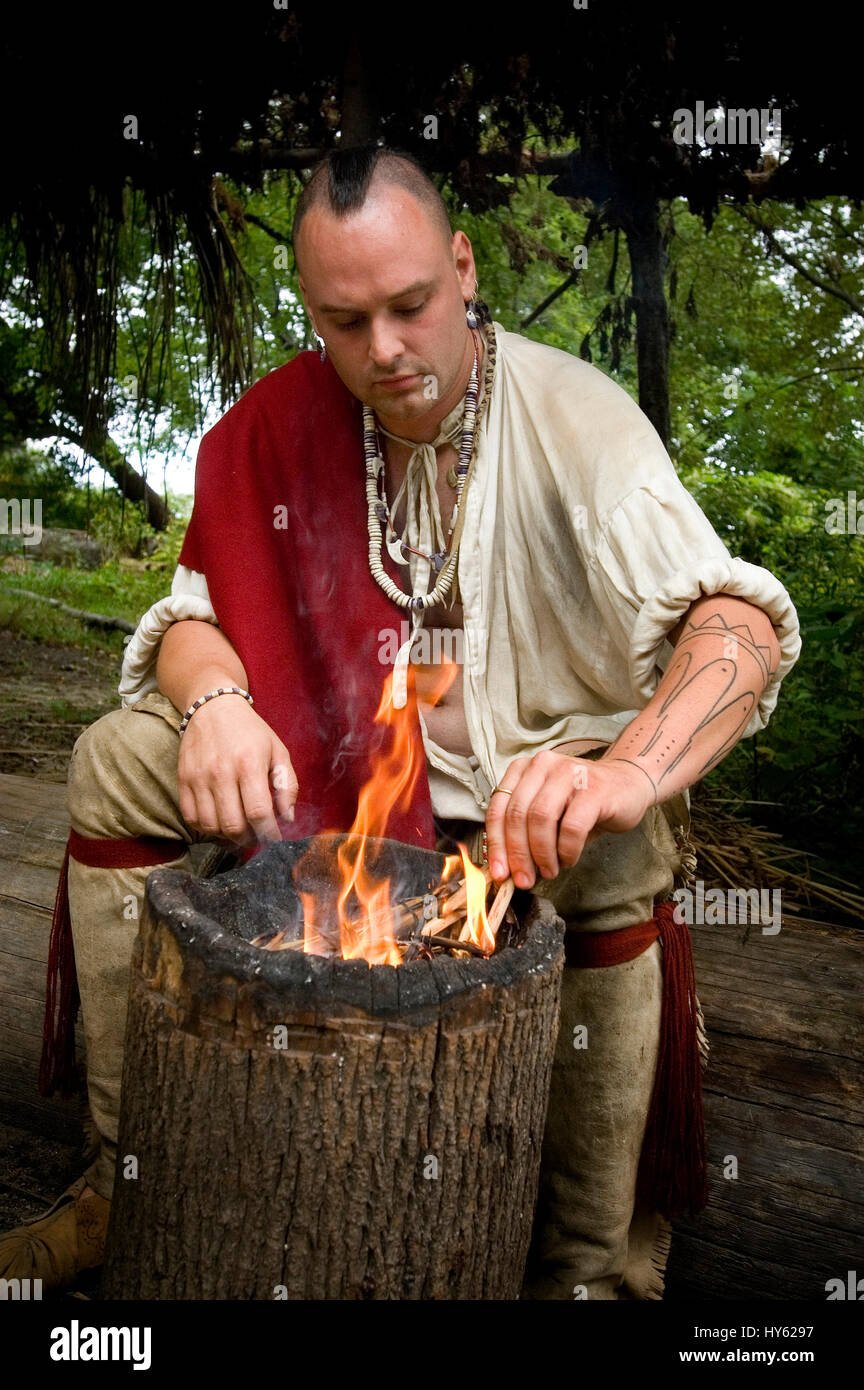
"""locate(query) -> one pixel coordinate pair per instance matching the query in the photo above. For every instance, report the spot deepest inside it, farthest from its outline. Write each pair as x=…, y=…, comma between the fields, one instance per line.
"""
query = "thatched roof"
x=239, y=92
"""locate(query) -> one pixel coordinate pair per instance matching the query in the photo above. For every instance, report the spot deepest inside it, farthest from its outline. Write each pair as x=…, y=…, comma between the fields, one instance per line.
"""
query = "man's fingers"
x=283, y=781
x=206, y=816
x=562, y=782
x=527, y=827
x=232, y=817
x=576, y=830
x=258, y=805
x=496, y=846
x=188, y=806
x=579, y=816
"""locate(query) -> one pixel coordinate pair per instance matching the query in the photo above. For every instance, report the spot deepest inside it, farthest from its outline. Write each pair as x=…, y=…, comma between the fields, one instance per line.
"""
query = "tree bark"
x=358, y=125
x=389, y=1150
x=647, y=262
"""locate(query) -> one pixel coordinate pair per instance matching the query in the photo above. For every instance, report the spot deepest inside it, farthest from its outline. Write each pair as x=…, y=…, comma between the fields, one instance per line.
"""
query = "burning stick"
x=436, y=920
x=458, y=901
x=467, y=946
x=501, y=904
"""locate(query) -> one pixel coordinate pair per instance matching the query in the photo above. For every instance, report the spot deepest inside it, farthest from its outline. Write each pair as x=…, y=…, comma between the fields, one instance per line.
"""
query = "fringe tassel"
x=673, y=1169
x=57, y=1063
x=702, y=1036
x=656, y=1284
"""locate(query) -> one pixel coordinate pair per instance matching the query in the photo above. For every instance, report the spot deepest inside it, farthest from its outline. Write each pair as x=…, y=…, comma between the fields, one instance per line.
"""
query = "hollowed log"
x=311, y=1128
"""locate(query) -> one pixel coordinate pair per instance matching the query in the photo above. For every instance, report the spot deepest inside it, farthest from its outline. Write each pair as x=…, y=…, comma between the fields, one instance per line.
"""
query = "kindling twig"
x=450, y=944
x=427, y=922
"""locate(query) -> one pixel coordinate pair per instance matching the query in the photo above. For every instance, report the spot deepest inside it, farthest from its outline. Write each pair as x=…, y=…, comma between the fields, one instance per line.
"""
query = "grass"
x=119, y=589
x=65, y=712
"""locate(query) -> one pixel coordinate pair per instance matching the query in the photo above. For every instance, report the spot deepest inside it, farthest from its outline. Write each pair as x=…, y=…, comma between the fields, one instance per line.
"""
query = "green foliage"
x=809, y=760
x=116, y=524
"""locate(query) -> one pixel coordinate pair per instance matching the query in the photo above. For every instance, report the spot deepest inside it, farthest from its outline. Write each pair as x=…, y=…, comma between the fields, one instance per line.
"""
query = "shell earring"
x=470, y=309
x=322, y=346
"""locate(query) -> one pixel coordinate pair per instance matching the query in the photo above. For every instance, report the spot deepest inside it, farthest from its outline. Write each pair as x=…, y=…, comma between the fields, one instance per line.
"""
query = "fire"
x=476, y=928
x=452, y=863
x=360, y=904
x=370, y=934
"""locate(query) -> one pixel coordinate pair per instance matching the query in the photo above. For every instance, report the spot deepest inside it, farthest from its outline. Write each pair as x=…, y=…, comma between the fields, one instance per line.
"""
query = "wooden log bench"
x=783, y=1092
x=33, y=830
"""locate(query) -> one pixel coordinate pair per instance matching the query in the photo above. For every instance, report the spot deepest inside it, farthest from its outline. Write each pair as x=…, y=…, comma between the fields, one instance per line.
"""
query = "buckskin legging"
x=591, y=1239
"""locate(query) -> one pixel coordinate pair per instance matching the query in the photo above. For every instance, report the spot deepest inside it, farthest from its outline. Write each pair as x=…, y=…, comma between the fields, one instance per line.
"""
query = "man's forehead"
x=415, y=287
x=392, y=226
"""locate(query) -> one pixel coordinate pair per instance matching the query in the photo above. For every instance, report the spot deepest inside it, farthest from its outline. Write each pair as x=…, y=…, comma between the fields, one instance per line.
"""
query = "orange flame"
x=476, y=928
x=370, y=935
x=452, y=863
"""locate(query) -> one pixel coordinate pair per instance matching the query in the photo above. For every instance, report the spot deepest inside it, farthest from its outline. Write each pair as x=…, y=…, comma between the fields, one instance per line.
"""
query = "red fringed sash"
x=57, y=1063
x=673, y=1167
x=593, y=949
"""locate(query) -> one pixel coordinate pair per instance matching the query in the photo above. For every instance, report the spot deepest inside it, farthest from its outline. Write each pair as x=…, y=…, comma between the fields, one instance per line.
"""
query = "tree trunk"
x=102, y=620
x=647, y=261
x=311, y=1128
x=130, y=482
x=359, y=117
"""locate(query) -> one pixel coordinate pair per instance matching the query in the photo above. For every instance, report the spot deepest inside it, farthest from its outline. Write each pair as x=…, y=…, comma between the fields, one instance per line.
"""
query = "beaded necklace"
x=381, y=526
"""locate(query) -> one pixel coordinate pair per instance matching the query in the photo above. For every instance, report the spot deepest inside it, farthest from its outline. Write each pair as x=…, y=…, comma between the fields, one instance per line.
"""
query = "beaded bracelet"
x=211, y=695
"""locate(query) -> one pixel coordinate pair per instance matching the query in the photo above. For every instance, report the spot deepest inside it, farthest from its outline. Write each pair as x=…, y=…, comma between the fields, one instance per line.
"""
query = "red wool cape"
x=279, y=530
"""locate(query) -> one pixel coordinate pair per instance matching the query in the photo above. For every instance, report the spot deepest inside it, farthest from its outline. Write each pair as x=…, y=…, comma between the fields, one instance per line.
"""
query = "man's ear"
x=302, y=288
x=463, y=261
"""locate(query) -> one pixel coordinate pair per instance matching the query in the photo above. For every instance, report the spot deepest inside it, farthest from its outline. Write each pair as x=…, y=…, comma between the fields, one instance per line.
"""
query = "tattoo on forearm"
x=716, y=689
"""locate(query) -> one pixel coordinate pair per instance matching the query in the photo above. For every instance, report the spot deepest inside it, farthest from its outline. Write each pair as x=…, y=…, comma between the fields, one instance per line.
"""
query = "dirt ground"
x=48, y=695
x=35, y=1170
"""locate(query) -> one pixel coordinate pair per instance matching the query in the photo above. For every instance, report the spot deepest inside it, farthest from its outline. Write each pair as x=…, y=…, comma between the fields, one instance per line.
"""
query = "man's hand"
x=232, y=771
x=558, y=805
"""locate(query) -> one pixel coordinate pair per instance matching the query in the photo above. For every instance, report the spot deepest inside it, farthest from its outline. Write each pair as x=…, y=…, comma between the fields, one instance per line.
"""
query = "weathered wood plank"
x=33, y=828
x=810, y=1083
x=784, y=1099
x=41, y=805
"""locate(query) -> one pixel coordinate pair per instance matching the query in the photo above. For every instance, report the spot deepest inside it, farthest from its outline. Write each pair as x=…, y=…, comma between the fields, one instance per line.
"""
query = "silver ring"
x=508, y=791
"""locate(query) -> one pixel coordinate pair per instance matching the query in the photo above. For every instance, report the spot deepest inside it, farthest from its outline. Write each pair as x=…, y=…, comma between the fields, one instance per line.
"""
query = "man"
x=611, y=654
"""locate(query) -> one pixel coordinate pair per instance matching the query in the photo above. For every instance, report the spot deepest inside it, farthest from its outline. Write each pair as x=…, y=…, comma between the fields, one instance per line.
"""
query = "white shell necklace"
x=381, y=528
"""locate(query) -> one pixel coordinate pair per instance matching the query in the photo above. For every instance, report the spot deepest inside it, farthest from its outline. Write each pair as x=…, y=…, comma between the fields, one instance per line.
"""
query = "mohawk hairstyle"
x=343, y=178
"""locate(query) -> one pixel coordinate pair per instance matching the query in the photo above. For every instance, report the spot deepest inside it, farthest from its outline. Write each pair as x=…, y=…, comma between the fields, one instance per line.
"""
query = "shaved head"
x=385, y=283
x=344, y=179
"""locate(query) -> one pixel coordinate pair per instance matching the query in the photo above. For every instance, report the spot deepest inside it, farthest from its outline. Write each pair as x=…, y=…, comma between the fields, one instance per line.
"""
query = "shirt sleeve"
x=189, y=598
x=656, y=555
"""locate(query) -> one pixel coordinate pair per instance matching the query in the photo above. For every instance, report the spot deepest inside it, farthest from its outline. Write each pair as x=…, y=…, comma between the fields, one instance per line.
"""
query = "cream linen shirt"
x=580, y=550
